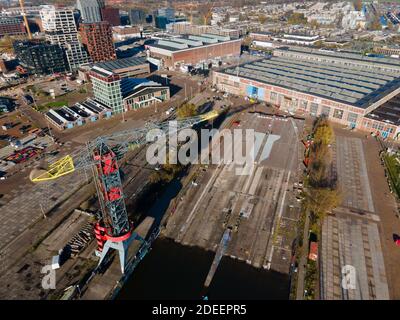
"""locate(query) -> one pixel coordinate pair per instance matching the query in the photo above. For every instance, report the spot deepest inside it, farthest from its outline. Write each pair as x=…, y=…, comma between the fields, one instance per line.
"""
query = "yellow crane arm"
x=21, y=3
x=57, y=169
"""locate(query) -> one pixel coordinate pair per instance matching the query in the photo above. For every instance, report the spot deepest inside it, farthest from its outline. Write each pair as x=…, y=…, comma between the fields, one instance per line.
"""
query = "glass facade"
x=108, y=93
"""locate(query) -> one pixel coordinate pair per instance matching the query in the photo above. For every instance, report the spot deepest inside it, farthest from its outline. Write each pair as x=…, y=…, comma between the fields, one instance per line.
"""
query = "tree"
x=314, y=24
x=375, y=24
x=324, y=134
x=357, y=5
x=297, y=18
x=321, y=201
x=166, y=173
x=262, y=18
x=186, y=110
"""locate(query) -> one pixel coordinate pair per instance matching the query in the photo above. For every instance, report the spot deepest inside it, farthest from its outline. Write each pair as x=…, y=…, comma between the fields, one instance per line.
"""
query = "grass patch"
x=310, y=280
x=52, y=104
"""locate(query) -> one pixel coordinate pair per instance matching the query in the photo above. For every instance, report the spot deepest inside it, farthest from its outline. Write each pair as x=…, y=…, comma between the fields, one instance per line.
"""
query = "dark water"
x=173, y=271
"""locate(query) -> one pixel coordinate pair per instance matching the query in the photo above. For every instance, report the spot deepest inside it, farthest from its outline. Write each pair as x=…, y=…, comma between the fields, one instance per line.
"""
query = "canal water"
x=174, y=271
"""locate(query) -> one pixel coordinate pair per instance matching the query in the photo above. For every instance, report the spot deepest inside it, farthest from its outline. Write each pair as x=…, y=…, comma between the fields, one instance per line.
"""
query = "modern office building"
x=111, y=15
x=169, y=13
x=124, y=93
x=60, y=28
x=161, y=22
x=90, y=10
x=175, y=52
x=137, y=16
x=350, y=89
x=107, y=88
x=97, y=38
x=11, y=27
x=39, y=57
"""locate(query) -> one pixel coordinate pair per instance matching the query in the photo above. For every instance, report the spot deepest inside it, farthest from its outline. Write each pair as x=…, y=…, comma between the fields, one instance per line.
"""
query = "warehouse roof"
x=130, y=86
x=388, y=112
x=189, y=41
x=342, y=55
x=354, y=85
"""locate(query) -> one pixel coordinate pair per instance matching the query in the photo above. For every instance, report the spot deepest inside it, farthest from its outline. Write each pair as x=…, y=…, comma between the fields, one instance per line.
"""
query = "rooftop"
x=184, y=42
x=342, y=55
x=130, y=86
x=121, y=63
x=354, y=85
x=388, y=112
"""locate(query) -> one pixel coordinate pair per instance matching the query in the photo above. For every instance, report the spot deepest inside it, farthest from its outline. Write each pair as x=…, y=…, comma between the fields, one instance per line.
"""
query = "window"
x=352, y=117
x=338, y=114
x=326, y=111
x=314, y=109
x=303, y=104
x=273, y=96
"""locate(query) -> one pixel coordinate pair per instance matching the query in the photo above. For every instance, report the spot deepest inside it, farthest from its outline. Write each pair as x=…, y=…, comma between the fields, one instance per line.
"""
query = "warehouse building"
x=176, y=52
x=142, y=93
x=298, y=39
x=77, y=115
x=349, y=89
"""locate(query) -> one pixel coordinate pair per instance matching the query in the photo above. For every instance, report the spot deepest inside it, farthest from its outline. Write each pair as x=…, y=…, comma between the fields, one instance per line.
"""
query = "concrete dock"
x=260, y=206
x=102, y=286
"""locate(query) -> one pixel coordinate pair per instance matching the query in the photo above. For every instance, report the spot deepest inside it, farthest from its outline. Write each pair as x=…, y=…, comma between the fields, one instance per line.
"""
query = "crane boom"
x=21, y=3
x=113, y=230
x=121, y=142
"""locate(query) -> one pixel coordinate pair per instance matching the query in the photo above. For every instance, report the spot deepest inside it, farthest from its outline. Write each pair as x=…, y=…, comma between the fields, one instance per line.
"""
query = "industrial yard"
x=260, y=208
x=360, y=232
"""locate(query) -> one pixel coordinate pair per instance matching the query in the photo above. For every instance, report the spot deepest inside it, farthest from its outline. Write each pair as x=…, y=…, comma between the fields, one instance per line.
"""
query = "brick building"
x=261, y=36
x=11, y=26
x=111, y=15
x=97, y=39
x=192, y=50
x=350, y=89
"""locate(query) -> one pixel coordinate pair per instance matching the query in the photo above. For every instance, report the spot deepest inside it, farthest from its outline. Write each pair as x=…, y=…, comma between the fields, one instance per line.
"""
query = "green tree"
x=186, y=110
x=324, y=134
x=166, y=173
x=320, y=201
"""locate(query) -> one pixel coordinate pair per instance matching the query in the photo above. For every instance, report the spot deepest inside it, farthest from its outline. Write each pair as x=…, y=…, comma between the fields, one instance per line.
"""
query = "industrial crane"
x=113, y=230
x=208, y=14
x=23, y=13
